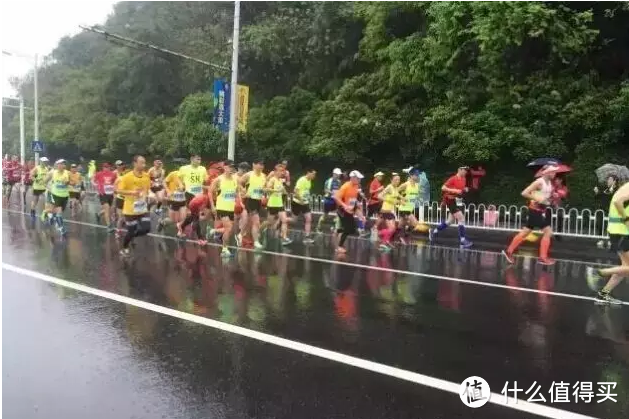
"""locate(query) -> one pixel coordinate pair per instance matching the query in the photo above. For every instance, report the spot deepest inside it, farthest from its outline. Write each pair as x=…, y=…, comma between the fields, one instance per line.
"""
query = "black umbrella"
x=543, y=161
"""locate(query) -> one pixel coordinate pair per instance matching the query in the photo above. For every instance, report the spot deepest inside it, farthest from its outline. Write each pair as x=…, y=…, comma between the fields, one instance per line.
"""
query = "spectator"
x=557, y=199
x=604, y=198
x=476, y=174
x=490, y=217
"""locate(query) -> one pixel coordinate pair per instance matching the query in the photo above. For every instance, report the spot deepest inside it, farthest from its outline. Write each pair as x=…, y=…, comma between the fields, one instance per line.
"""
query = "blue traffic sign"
x=37, y=146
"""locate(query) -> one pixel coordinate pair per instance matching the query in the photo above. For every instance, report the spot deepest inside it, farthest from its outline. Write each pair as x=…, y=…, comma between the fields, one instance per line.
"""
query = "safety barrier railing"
x=564, y=221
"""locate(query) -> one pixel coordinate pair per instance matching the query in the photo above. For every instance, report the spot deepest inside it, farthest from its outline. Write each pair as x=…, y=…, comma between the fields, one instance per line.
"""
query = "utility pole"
x=22, y=133
x=36, y=105
x=233, y=105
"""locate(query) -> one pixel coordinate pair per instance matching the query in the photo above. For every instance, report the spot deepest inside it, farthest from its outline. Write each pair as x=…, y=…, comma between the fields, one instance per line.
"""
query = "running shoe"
x=226, y=252
x=125, y=252
x=308, y=240
x=604, y=298
x=509, y=257
x=431, y=235
x=258, y=245
x=593, y=278
x=286, y=241
x=403, y=240
x=239, y=239
x=466, y=244
x=546, y=261
x=385, y=247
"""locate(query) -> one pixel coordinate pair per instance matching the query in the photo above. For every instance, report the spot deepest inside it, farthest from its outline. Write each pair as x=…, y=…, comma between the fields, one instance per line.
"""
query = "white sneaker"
x=600, y=244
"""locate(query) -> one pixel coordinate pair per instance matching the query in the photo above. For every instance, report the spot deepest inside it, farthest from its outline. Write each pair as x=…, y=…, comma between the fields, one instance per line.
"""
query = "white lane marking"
x=417, y=378
x=376, y=268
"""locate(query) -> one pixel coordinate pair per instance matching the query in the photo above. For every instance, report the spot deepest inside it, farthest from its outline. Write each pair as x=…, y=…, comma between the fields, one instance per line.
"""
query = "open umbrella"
x=543, y=161
x=607, y=170
x=561, y=168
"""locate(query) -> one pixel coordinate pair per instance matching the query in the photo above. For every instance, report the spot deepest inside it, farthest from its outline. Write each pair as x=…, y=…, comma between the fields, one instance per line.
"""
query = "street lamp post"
x=35, y=94
x=233, y=106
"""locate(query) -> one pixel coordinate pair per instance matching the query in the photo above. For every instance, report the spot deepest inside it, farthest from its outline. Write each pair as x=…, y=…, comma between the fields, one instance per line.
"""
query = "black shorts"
x=58, y=201
x=253, y=205
x=106, y=199
x=404, y=213
x=347, y=223
x=374, y=209
x=156, y=189
x=225, y=214
x=619, y=243
x=119, y=202
x=298, y=209
x=387, y=215
x=75, y=195
x=38, y=192
x=274, y=210
x=537, y=220
x=176, y=205
x=329, y=206
x=140, y=220
x=453, y=207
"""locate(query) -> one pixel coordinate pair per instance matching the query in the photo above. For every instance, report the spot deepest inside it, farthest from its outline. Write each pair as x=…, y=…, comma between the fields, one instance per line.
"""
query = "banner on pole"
x=243, y=107
x=221, y=105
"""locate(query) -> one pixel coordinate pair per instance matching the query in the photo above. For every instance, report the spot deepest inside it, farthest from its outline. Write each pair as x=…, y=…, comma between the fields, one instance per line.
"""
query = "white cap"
x=356, y=173
x=378, y=174
x=43, y=158
x=337, y=171
x=118, y=162
x=407, y=170
x=60, y=161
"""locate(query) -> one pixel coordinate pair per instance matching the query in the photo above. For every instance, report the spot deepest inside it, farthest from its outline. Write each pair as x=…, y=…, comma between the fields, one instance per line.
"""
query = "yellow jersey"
x=75, y=182
x=134, y=205
x=171, y=182
x=226, y=200
x=193, y=178
x=255, y=190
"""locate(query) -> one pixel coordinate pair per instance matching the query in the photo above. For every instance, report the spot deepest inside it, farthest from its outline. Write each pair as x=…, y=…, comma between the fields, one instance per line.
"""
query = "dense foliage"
x=367, y=85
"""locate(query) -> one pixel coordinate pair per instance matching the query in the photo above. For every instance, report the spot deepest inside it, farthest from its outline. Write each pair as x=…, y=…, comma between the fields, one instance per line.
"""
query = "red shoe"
x=546, y=261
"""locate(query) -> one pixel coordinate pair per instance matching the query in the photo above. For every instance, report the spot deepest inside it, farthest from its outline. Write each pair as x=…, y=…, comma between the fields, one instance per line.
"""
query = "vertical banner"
x=221, y=105
x=243, y=107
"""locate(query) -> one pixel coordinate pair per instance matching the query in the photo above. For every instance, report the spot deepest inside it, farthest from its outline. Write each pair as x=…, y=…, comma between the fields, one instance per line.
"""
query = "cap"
x=464, y=167
x=60, y=161
x=378, y=174
x=118, y=163
x=356, y=173
x=395, y=174
x=73, y=165
x=43, y=159
x=337, y=171
x=408, y=169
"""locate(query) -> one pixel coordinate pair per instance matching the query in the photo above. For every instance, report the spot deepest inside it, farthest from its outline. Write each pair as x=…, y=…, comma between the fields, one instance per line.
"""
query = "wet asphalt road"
x=68, y=354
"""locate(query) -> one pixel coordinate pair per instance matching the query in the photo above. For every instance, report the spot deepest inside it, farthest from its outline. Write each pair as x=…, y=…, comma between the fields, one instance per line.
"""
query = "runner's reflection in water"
x=343, y=281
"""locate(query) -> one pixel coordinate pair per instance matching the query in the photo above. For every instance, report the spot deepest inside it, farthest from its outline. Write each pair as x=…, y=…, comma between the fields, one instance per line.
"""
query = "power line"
x=151, y=46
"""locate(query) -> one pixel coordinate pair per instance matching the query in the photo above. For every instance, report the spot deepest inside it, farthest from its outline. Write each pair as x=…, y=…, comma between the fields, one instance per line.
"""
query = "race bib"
x=179, y=196
x=459, y=202
x=352, y=202
x=61, y=186
x=229, y=196
x=140, y=207
x=196, y=189
x=256, y=193
x=109, y=189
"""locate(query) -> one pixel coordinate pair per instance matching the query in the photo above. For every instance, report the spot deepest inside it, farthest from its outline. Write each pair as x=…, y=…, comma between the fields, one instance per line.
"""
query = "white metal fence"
x=565, y=221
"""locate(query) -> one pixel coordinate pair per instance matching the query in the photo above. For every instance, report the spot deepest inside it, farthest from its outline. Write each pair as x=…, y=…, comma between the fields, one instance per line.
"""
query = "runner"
x=58, y=194
x=390, y=197
x=618, y=229
x=346, y=199
x=121, y=170
x=11, y=175
x=193, y=177
x=253, y=182
x=176, y=197
x=157, y=175
x=453, y=190
x=301, y=202
x=214, y=229
x=276, y=211
x=76, y=182
x=38, y=174
x=27, y=181
x=375, y=204
x=539, y=193
x=227, y=187
x=410, y=204
x=104, y=180
x=197, y=211
x=240, y=212
x=329, y=203
x=134, y=187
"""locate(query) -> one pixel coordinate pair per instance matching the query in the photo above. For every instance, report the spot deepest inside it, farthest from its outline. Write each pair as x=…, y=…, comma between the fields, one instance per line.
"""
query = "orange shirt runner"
x=348, y=195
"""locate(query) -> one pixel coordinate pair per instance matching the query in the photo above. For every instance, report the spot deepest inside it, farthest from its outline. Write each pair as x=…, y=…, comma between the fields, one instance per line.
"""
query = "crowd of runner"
x=247, y=204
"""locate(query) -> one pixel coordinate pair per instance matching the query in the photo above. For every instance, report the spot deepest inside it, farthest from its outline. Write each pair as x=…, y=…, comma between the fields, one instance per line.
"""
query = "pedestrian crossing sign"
x=37, y=146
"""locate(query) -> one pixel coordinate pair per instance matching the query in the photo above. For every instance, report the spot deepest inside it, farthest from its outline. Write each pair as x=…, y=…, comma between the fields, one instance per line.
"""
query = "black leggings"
x=137, y=225
x=347, y=224
x=194, y=220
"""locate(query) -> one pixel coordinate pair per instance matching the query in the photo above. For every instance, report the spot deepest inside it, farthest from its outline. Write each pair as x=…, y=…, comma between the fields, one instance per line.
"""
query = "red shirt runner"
x=455, y=182
x=373, y=191
x=198, y=203
x=104, y=181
